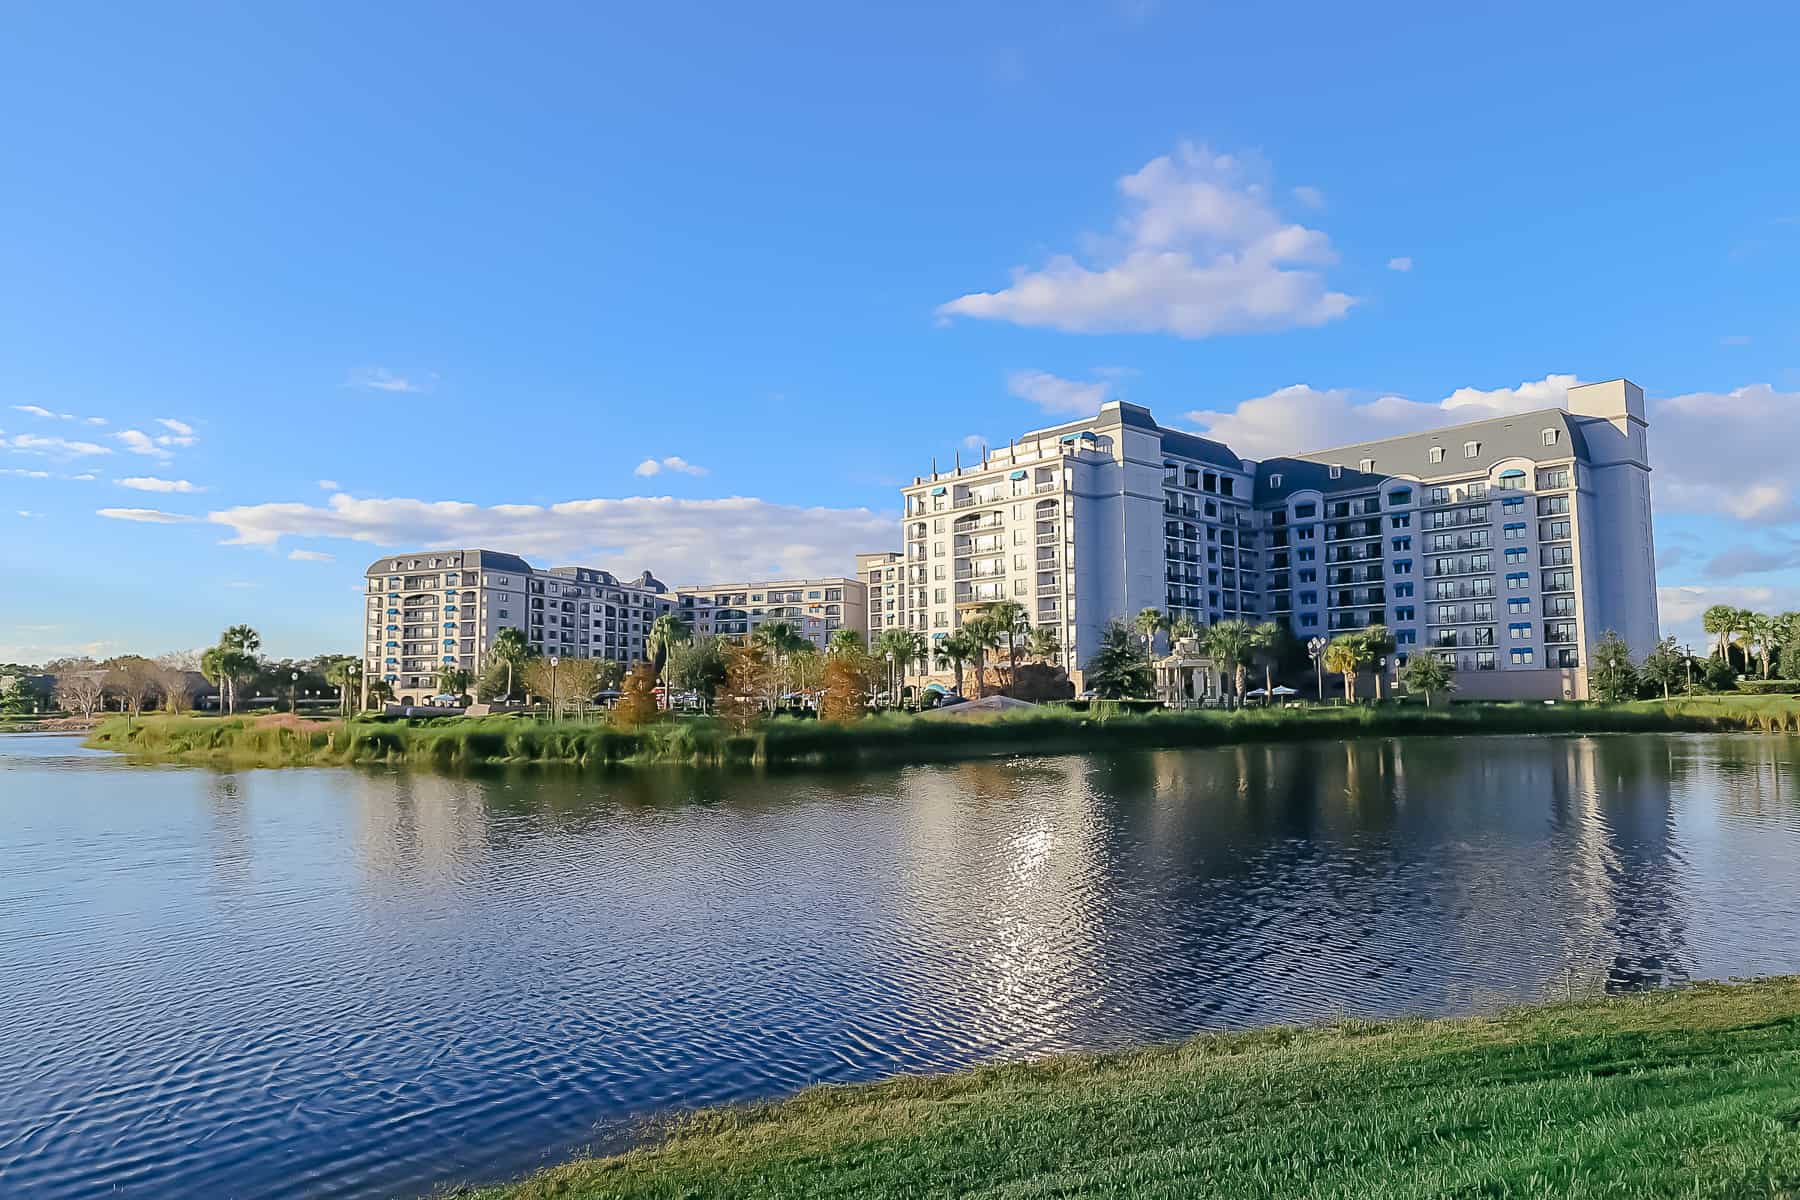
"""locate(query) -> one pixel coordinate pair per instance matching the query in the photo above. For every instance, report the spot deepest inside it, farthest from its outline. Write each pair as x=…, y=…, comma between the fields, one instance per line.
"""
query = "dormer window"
x=1549, y=437
x=1368, y=466
x=1275, y=480
x=1437, y=454
x=1471, y=449
x=1336, y=471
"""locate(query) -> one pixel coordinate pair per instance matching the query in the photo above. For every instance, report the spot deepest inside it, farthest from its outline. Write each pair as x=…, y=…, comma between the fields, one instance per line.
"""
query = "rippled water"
x=337, y=983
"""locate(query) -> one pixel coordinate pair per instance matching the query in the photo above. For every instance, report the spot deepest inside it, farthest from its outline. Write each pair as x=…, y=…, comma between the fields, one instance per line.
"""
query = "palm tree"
x=1120, y=666
x=453, y=681
x=1267, y=640
x=1720, y=620
x=1230, y=644
x=953, y=650
x=780, y=639
x=1046, y=646
x=235, y=659
x=1149, y=622
x=1762, y=629
x=844, y=641
x=343, y=674
x=212, y=666
x=510, y=647
x=1377, y=643
x=1010, y=622
x=984, y=635
x=1183, y=629
x=1344, y=654
x=665, y=632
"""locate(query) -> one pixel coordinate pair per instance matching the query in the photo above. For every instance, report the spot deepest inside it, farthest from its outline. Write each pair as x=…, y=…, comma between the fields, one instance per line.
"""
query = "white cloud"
x=1201, y=250
x=973, y=442
x=85, y=478
x=1402, y=263
x=53, y=447
x=139, y=442
x=21, y=473
x=381, y=379
x=1678, y=609
x=1311, y=197
x=329, y=485
x=36, y=410
x=147, y=516
x=150, y=483
x=735, y=538
x=674, y=462
x=1058, y=396
x=28, y=514
x=93, y=420
x=177, y=427
x=311, y=556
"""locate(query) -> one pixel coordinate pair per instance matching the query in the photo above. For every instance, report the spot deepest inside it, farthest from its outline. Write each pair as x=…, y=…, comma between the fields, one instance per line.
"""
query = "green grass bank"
x=461, y=743
x=1693, y=1093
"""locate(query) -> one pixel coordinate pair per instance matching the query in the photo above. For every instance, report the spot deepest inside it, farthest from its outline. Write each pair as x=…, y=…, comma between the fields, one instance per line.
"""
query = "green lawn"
x=1691, y=1094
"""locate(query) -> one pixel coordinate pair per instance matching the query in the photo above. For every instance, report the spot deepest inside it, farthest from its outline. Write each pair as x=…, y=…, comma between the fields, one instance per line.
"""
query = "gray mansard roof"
x=470, y=560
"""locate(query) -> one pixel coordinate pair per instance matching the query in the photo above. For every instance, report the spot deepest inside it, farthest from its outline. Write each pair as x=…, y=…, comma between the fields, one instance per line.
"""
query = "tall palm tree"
x=984, y=636
x=342, y=674
x=453, y=681
x=1008, y=617
x=665, y=632
x=780, y=639
x=1230, y=644
x=1377, y=643
x=511, y=648
x=1046, y=646
x=1759, y=631
x=1149, y=622
x=1267, y=639
x=1344, y=654
x=1720, y=620
x=953, y=650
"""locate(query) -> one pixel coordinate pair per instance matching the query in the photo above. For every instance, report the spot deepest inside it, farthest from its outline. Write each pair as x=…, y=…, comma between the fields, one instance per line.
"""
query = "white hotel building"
x=1506, y=546
x=436, y=608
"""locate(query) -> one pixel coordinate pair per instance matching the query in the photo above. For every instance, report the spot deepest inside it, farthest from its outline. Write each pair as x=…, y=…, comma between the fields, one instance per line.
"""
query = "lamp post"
x=1316, y=648
x=893, y=688
x=1380, y=676
x=555, y=708
x=355, y=681
x=294, y=692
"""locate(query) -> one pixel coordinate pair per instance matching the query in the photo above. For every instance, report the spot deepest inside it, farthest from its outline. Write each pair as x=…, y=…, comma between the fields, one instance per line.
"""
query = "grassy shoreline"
x=1692, y=1093
x=462, y=744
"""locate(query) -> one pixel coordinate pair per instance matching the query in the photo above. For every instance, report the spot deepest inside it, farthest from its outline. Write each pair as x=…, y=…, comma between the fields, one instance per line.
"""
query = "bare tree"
x=175, y=676
x=81, y=691
x=572, y=682
x=135, y=680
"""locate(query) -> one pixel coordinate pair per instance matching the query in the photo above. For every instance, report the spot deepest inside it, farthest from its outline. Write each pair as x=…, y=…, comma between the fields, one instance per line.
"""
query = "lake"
x=360, y=983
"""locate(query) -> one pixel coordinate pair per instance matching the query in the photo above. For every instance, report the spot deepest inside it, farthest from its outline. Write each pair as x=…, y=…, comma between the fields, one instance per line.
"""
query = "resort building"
x=1506, y=546
x=429, y=610
x=432, y=609
x=817, y=608
x=883, y=574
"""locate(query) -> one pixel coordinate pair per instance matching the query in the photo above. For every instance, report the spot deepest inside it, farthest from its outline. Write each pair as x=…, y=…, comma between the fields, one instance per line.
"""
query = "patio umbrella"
x=1281, y=689
x=1256, y=692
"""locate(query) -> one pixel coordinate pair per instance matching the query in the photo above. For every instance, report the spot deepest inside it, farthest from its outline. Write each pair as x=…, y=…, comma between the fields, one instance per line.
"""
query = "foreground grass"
x=1692, y=1094
x=458, y=742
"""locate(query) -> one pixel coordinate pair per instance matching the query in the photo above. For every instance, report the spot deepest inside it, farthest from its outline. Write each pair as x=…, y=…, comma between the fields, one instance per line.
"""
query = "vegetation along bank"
x=891, y=738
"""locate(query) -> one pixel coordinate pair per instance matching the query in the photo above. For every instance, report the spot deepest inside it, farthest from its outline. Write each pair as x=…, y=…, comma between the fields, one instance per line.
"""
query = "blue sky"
x=703, y=284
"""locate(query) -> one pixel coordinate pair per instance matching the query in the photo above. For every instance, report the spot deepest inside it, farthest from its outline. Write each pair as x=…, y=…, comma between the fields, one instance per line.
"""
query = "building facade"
x=443, y=608
x=817, y=608
x=1507, y=546
x=883, y=575
x=433, y=609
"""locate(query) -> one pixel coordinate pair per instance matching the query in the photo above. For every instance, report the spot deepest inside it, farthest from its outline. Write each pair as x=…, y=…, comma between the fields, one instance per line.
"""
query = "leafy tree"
x=983, y=636
x=1344, y=655
x=747, y=670
x=1665, y=667
x=1427, y=675
x=666, y=632
x=637, y=700
x=844, y=640
x=571, y=683
x=953, y=650
x=1046, y=646
x=848, y=678
x=1120, y=665
x=1230, y=644
x=1184, y=628
x=1790, y=646
x=780, y=640
x=175, y=679
x=344, y=672
x=1611, y=677
x=510, y=647
x=699, y=665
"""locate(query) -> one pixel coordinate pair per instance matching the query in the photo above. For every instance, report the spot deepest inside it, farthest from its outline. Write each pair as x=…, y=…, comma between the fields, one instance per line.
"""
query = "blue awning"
x=937, y=491
x=1016, y=475
x=1514, y=473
